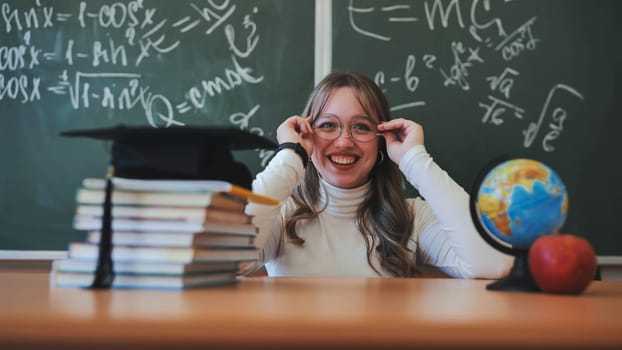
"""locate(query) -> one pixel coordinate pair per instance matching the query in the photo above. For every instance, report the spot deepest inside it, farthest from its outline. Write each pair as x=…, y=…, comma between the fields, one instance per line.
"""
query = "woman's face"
x=344, y=162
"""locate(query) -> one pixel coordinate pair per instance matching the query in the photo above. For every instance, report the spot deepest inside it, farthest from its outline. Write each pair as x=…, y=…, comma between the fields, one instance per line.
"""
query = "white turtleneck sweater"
x=442, y=236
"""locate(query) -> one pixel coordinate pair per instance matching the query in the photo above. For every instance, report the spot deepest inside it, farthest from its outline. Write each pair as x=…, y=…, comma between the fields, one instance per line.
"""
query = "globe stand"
x=519, y=278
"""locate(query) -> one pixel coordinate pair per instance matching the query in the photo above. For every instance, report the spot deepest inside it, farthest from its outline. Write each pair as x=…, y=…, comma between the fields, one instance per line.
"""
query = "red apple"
x=562, y=263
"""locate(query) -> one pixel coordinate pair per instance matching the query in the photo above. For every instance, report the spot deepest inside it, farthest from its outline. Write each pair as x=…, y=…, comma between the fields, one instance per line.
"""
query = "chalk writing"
x=21, y=86
x=497, y=108
x=211, y=16
x=251, y=39
x=111, y=61
x=35, y=17
x=19, y=57
x=242, y=120
x=14, y=59
x=518, y=41
x=437, y=9
x=478, y=40
x=476, y=26
x=392, y=14
x=464, y=58
x=409, y=78
x=558, y=116
x=504, y=82
x=233, y=77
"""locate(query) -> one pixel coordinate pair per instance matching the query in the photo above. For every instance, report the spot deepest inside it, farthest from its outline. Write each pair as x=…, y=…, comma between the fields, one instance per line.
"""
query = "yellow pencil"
x=251, y=196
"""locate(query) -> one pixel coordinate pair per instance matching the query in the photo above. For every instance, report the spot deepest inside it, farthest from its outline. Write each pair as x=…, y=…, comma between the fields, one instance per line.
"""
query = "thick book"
x=171, y=199
x=164, y=239
x=196, y=214
x=143, y=268
x=94, y=223
x=180, y=186
x=82, y=280
x=80, y=250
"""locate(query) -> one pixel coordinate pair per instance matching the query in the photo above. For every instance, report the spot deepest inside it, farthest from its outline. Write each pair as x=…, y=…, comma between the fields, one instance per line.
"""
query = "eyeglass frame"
x=350, y=135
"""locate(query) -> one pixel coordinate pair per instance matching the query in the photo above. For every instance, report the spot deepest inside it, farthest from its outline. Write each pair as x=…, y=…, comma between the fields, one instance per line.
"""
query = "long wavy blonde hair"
x=384, y=219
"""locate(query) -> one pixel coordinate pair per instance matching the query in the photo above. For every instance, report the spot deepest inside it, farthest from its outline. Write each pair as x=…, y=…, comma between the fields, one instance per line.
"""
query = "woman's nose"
x=345, y=137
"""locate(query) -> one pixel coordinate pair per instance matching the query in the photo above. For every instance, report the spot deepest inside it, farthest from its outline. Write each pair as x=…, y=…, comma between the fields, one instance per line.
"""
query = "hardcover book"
x=149, y=268
x=79, y=250
x=82, y=280
x=94, y=223
x=195, y=214
x=172, y=199
x=164, y=239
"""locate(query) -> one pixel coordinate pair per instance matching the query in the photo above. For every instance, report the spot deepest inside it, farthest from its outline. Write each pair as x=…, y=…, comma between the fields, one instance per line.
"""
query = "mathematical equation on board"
x=490, y=39
x=148, y=34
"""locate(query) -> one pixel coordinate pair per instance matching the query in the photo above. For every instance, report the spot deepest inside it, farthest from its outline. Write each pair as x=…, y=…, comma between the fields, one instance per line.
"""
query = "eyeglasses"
x=329, y=127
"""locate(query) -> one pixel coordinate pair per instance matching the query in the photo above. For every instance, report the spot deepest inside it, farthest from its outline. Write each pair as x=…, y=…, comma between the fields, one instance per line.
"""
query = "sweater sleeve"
x=445, y=233
x=277, y=180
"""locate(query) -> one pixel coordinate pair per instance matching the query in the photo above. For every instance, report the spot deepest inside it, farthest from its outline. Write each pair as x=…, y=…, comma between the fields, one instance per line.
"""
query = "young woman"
x=343, y=212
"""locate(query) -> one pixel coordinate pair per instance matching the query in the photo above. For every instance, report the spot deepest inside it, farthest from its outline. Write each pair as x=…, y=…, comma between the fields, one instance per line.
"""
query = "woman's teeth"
x=343, y=160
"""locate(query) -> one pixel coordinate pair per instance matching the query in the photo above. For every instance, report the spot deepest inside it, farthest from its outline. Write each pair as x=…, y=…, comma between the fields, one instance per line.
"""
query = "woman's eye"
x=361, y=127
x=327, y=125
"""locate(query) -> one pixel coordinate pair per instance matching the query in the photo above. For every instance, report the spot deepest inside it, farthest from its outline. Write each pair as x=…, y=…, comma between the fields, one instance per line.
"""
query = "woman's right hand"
x=400, y=135
x=296, y=129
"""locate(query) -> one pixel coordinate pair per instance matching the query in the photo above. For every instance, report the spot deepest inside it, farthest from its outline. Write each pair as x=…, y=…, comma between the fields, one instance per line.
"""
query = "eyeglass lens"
x=329, y=127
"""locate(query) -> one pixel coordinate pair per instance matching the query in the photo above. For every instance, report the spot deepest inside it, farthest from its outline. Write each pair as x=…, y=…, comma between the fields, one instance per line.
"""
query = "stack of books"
x=167, y=234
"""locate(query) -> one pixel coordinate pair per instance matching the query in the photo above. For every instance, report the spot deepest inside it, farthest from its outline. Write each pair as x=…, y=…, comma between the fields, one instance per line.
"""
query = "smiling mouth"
x=343, y=160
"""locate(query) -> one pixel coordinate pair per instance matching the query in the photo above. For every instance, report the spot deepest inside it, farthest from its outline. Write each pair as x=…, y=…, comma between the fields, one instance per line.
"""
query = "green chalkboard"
x=530, y=78
x=68, y=64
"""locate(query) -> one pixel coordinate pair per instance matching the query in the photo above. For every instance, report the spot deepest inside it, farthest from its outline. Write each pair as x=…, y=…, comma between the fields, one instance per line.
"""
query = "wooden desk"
x=299, y=313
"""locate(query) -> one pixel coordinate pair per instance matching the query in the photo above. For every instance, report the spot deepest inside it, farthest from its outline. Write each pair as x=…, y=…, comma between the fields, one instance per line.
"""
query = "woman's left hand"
x=400, y=135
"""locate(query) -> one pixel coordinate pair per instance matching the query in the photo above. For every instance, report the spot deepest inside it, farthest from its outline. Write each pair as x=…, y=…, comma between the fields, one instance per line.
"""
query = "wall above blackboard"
x=68, y=64
x=535, y=79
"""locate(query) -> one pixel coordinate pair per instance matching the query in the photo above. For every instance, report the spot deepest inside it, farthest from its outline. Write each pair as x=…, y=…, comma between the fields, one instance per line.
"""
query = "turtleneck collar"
x=343, y=201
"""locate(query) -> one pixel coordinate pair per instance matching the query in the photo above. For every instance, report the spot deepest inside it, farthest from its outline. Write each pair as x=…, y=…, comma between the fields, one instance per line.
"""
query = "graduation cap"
x=174, y=153
x=197, y=153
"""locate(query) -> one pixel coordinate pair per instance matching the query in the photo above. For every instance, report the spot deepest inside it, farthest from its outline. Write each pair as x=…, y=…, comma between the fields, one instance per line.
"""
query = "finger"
x=392, y=130
x=392, y=124
x=289, y=130
x=298, y=124
x=398, y=122
x=390, y=137
x=306, y=125
x=290, y=122
x=400, y=126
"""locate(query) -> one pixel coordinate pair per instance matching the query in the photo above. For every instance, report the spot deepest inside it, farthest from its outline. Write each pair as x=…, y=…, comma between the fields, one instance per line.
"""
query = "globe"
x=520, y=200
